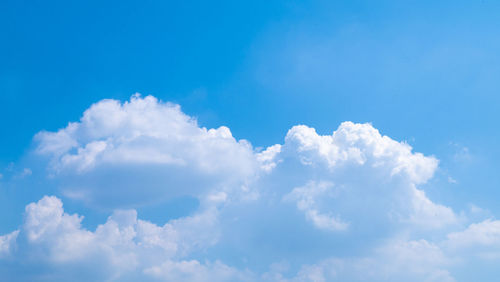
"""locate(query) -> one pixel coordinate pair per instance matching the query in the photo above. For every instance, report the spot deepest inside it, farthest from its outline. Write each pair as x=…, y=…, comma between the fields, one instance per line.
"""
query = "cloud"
x=306, y=201
x=122, y=245
x=7, y=243
x=323, y=202
x=143, y=130
x=145, y=139
x=125, y=248
x=268, y=157
x=428, y=214
x=26, y=172
x=195, y=271
x=377, y=173
x=395, y=261
x=144, y=150
x=360, y=144
x=485, y=233
x=479, y=239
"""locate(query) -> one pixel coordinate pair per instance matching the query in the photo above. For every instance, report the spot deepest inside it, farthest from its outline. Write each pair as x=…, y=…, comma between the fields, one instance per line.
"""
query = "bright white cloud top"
x=355, y=195
x=152, y=148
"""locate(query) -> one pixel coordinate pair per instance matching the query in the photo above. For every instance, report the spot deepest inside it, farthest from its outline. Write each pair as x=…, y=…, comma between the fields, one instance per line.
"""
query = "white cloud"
x=478, y=239
x=360, y=144
x=125, y=247
x=377, y=173
x=144, y=151
x=144, y=139
x=306, y=201
x=428, y=214
x=419, y=257
x=124, y=244
x=268, y=157
x=395, y=261
x=144, y=130
x=7, y=243
x=485, y=233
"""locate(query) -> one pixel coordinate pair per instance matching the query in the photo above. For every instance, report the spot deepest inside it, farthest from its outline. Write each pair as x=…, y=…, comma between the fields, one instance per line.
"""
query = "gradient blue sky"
x=424, y=72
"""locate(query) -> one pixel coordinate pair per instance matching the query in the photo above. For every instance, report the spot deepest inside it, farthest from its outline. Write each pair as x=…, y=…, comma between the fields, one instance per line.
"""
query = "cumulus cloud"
x=125, y=248
x=364, y=167
x=143, y=130
x=480, y=239
x=485, y=233
x=122, y=245
x=360, y=144
x=146, y=150
x=287, y=201
x=145, y=139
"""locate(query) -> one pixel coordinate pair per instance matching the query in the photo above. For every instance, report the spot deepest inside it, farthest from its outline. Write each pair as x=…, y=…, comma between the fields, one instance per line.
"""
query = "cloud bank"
x=348, y=206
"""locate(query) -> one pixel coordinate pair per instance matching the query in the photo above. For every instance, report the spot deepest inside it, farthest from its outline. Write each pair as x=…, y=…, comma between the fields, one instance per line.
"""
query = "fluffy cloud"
x=145, y=150
x=7, y=243
x=123, y=245
x=485, y=233
x=125, y=248
x=324, y=202
x=145, y=139
x=360, y=144
x=478, y=239
x=143, y=130
x=361, y=166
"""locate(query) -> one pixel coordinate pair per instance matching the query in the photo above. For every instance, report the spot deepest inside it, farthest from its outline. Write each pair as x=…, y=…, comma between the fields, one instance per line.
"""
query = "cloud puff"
x=478, y=239
x=143, y=130
x=485, y=233
x=145, y=139
x=360, y=144
x=7, y=243
x=356, y=164
x=122, y=245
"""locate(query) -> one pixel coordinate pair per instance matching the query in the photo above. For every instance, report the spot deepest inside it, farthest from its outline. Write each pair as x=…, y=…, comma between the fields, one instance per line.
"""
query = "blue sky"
x=422, y=73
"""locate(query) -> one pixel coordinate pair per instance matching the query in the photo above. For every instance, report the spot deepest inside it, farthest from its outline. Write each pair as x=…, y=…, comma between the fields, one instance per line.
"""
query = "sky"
x=249, y=141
